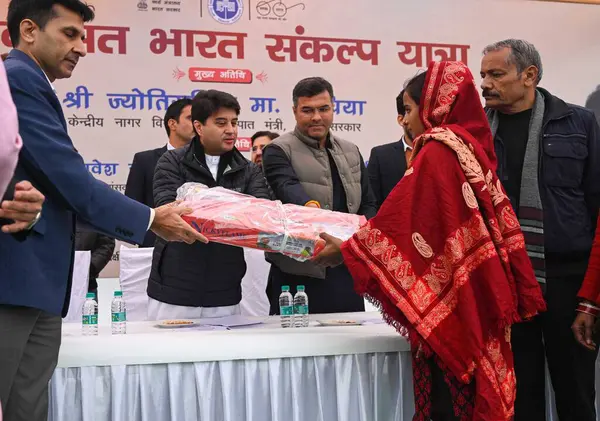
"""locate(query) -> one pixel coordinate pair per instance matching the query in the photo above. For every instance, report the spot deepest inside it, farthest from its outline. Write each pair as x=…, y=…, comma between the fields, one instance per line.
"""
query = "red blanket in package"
x=228, y=217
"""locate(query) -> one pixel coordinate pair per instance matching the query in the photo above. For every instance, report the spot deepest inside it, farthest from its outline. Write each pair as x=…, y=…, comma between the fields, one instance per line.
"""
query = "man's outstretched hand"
x=169, y=225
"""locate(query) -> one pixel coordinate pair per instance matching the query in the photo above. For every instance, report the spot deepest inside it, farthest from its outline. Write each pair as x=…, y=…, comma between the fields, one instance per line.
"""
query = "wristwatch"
x=35, y=221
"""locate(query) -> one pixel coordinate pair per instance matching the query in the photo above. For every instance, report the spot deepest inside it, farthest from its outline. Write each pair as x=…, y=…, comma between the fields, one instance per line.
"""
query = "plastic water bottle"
x=89, y=322
x=119, y=315
x=286, y=307
x=300, y=307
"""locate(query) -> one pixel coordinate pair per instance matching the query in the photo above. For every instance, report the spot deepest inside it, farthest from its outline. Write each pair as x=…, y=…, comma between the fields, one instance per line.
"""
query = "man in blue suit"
x=35, y=274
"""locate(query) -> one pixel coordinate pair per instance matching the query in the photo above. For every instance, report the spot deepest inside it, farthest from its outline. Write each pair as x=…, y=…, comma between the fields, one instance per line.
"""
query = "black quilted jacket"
x=200, y=275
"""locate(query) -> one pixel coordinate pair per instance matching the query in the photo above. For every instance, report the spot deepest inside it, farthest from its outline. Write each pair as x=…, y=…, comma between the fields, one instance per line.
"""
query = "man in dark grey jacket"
x=193, y=281
x=313, y=167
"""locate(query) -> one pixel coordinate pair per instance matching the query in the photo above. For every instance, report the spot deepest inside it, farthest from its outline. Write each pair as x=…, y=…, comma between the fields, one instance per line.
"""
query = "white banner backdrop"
x=144, y=54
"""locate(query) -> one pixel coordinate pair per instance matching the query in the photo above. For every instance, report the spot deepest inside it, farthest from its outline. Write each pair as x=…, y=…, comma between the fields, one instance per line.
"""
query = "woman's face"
x=412, y=122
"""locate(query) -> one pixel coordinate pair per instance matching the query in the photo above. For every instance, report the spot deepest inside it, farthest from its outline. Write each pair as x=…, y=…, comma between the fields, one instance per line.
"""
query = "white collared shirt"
x=212, y=162
x=170, y=147
x=50, y=83
x=406, y=146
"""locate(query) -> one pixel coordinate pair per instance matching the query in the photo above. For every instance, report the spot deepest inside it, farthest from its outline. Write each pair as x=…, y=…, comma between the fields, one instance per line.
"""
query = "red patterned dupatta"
x=445, y=257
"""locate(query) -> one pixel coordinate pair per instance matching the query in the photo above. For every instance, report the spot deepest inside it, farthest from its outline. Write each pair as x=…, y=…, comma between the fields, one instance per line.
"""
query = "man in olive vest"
x=312, y=167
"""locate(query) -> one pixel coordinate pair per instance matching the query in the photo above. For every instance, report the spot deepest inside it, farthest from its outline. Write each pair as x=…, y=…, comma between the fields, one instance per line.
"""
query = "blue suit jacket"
x=37, y=272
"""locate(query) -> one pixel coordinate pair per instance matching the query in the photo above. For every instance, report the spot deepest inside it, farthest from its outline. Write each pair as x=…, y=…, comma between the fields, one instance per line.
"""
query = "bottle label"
x=90, y=320
x=301, y=309
x=286, y=310
x=118, y=317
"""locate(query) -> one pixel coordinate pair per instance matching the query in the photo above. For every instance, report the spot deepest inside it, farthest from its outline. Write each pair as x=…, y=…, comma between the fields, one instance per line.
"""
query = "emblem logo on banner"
x=273, y=9
x=142, y=5
x=226, y=11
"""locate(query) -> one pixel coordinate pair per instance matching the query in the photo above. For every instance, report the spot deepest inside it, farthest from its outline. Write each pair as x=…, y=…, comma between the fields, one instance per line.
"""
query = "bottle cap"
x=300, y=288
x=285, y=288
x=118, y=293
x=90, y=295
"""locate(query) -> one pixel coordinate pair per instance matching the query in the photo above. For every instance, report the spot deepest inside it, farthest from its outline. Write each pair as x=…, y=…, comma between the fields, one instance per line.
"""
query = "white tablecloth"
x=261, y=373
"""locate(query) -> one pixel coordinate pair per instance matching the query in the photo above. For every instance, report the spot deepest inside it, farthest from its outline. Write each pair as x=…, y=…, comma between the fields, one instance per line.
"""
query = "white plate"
x=169, y=324
x=340, y=322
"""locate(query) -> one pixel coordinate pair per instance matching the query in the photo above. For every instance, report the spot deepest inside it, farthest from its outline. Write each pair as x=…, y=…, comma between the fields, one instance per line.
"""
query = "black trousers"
x=572, y=367
x=441, y=400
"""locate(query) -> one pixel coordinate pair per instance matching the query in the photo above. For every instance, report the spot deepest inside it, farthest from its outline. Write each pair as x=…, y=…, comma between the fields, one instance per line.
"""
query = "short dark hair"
x=206, y=103
x=310, y=87
x=41, y=12
x=414, y=87
x=270, y=135
x=400, y=103
x=593, y=103
x=174, y=112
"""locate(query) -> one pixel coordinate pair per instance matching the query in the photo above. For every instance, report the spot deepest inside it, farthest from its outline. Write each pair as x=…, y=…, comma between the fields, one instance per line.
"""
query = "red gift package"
x=228, y=217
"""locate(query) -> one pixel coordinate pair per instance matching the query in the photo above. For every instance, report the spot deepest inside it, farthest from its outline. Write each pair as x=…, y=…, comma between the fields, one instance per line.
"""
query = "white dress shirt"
x=406, y=146
x=212, y=162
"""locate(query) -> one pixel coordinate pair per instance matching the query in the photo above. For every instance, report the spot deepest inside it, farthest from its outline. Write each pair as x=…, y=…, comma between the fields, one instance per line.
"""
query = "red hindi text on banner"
x=243, y=144
x=203, y=74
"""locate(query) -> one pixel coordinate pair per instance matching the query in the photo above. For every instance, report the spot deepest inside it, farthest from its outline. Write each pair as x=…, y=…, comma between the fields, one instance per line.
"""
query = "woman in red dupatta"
x=445, y=259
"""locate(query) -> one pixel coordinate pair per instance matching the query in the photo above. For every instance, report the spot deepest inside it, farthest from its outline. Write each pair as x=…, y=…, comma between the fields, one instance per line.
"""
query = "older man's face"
x=502, y=85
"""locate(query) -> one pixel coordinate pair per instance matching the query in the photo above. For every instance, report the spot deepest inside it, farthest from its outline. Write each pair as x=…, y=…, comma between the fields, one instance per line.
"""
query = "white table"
x=262, y=373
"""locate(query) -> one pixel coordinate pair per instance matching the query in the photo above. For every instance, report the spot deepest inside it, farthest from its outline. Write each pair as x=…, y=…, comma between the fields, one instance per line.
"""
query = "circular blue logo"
x=226, y=11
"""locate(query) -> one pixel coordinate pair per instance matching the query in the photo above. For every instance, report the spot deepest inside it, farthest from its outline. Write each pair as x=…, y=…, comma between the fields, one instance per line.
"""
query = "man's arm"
x=54, y=164
x=135, y=180
x=282, y=178
x=374, y=177
x=257, y=185
x=368, y=204
x=48, y=154
x=102, y=252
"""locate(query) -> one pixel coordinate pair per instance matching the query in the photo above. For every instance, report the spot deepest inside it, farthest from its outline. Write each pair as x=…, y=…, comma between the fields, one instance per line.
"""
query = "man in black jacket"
x=389, y=162
x=178, y=124
x=101, y=248
x=549, y=162
x=202, y=281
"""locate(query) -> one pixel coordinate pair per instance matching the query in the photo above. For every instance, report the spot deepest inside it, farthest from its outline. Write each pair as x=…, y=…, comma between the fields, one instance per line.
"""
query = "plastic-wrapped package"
x=227, y=217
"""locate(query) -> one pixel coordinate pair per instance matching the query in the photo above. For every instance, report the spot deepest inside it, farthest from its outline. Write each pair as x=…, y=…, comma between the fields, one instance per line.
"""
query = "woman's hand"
x=331, y=254
x=583, y=329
